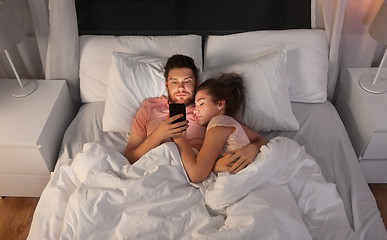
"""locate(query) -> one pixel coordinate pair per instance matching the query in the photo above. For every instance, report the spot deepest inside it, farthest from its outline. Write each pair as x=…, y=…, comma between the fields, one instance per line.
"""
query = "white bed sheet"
x=321, y=133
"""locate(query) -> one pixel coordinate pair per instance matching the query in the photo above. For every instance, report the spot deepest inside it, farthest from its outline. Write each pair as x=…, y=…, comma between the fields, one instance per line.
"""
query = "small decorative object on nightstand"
x=365, y=117
x=31, y=130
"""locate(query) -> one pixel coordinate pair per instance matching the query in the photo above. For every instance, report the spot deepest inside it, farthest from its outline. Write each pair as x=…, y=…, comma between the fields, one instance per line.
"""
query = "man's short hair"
x=181, y=61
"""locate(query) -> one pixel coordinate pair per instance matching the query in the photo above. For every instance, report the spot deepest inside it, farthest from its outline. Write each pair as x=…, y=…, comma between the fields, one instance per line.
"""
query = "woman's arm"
x=238, y=159
x=200, y=166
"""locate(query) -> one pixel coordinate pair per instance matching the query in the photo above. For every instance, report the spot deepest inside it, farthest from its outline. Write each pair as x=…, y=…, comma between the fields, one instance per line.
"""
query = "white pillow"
x=96, y=51
x=267, y=96
x=132, y=79
x=307, y=57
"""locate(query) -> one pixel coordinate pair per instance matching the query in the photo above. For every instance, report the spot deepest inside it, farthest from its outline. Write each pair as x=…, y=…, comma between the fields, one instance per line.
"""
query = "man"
x=152, y=126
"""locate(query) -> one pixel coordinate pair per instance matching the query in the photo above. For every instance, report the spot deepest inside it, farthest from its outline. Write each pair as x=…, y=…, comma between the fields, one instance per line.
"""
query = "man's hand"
x=137, y=146
x=167, y=130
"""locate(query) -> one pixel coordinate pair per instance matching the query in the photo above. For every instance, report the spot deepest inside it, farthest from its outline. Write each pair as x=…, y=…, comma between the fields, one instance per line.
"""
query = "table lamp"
x=10, y=35
x=378, y=30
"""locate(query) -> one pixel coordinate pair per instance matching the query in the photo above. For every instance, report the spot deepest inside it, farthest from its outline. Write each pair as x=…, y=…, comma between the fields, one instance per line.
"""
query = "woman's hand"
x=179, y=137
x=236, y=160
x=241, y=158
x=223, y=164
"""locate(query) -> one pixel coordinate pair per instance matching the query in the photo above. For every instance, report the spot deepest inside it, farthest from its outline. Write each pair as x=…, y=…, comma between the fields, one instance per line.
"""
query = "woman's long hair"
x=228, y=87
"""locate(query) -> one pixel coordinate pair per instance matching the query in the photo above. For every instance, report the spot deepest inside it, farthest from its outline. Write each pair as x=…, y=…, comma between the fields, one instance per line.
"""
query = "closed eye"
x=199, y=102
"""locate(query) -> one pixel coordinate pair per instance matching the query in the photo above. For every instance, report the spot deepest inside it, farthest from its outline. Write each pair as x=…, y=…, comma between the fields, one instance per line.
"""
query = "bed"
x=305, y=184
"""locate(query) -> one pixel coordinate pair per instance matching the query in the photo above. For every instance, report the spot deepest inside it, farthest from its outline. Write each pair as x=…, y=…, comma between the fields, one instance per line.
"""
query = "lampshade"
x=11, y=33
x=378, y=30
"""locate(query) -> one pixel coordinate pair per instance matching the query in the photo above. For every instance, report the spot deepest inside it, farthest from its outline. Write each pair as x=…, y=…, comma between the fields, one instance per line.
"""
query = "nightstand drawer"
x=374, y=170
x=23, y=185
x=376, y=147
x=22, y=160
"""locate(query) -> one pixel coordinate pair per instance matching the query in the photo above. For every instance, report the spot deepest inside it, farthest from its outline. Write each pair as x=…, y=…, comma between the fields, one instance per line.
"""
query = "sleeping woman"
x=217, y=102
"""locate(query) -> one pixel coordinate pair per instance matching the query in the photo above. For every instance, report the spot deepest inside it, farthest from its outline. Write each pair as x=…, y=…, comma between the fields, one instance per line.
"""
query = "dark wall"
x=159, y=17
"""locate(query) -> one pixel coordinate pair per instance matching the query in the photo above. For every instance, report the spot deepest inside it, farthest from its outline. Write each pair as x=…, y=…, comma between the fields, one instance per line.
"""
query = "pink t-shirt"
x=152, y=112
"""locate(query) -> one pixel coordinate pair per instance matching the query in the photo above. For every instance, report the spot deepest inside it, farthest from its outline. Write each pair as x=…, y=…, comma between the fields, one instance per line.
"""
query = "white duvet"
x=98, y=195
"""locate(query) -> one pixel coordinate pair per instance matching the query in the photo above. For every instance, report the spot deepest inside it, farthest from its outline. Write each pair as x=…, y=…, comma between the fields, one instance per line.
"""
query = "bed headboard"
x=201, y=17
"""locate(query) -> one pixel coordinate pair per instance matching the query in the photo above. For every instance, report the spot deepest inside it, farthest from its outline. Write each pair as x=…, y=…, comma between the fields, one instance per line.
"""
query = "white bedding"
x=321, y=133
x=282, y=195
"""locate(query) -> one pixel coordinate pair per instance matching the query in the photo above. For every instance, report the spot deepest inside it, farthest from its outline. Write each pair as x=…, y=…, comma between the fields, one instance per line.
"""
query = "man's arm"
x=137, y=145
x=238, y=159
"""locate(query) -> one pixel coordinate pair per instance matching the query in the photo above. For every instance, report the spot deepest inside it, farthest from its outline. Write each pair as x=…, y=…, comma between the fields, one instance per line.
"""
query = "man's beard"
x=187, y=101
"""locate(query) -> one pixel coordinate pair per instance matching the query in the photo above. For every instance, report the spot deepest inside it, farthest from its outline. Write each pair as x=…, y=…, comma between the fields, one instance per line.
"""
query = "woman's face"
x=205, y=108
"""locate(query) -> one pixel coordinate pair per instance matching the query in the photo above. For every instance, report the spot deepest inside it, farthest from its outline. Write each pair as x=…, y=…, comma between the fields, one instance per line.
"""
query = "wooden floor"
x=16, y=216
x=380, y=193
x=16, y=213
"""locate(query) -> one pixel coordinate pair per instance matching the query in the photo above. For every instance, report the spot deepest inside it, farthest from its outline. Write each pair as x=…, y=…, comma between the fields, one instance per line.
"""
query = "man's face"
x=181, y=86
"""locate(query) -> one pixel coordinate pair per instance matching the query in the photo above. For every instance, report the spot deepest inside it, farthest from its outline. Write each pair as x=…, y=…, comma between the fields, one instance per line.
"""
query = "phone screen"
x=176, y=108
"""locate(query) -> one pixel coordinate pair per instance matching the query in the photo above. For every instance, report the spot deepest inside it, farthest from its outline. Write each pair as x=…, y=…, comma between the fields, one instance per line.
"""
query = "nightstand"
x=31, y=130
x=365, y=117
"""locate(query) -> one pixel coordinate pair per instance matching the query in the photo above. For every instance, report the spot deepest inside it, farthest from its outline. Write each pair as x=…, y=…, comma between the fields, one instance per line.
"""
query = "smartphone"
x=177, y=108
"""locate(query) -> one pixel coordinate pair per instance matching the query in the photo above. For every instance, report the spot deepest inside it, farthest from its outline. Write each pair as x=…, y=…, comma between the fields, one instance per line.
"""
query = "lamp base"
x=380, y=85
x=16, y=91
